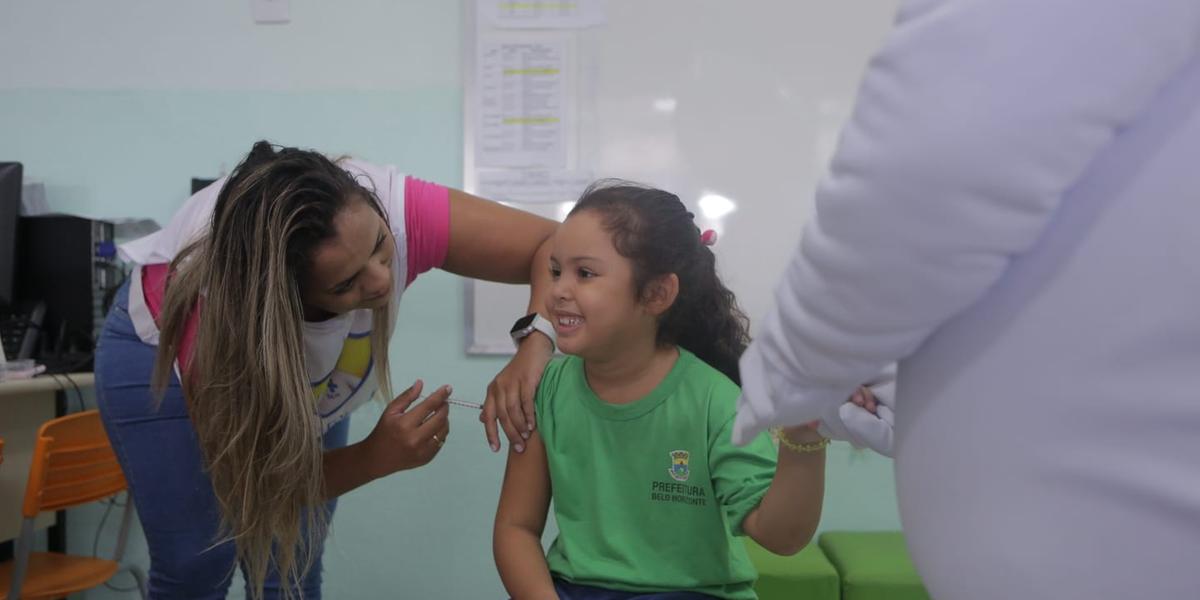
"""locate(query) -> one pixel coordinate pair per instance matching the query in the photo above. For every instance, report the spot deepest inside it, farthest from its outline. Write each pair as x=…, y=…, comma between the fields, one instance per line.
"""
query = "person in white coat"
x=1012, y=214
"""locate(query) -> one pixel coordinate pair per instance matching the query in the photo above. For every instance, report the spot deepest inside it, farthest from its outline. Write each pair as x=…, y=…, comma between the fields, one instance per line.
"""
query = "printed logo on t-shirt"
x=679, y=465
x=677, y=492
x=342, y=390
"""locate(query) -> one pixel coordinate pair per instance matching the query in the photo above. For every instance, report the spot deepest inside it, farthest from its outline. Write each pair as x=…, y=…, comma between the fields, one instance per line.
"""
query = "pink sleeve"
x=426, y=225
x=154, y=286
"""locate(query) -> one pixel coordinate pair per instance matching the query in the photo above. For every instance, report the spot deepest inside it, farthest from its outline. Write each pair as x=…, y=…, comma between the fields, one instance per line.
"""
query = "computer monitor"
x=10, y=208
x=199, y=183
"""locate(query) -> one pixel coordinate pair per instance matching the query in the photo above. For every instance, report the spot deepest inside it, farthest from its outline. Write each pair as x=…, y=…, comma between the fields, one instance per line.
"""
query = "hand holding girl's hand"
x=864, y=398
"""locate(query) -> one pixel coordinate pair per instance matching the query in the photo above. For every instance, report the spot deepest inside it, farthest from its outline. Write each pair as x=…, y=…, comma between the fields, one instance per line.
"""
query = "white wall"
x=215, y=45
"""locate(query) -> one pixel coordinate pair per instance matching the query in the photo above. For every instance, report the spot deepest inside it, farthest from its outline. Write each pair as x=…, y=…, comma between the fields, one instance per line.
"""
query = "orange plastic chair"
x=73, y=464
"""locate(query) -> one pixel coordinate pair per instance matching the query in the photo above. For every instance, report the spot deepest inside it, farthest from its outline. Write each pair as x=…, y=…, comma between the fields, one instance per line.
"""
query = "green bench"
x=873, y=565
x=842, y=565
x=805, y=576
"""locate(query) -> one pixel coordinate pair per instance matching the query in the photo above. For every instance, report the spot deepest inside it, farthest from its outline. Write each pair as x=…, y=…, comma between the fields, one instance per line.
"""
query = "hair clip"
x=709, y=237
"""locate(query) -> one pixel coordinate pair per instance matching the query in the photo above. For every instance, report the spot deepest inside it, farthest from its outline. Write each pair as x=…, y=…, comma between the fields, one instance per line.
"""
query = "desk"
x=24, y=405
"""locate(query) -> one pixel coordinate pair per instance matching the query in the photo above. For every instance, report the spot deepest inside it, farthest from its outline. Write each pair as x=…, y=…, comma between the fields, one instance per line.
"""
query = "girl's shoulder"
x=704, y=384
x=703, y=377
x=554, y=376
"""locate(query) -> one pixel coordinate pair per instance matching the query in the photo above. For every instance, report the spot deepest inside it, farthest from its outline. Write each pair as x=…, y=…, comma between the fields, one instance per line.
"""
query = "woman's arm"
x=346, y=469
x=510, y=395
x=520, y=520
x=491, y=241
x=494, y=242
x=787, y=517
x=954, y=161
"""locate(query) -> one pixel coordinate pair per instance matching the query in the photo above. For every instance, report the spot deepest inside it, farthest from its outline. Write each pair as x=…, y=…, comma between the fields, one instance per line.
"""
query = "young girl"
x=633, y=434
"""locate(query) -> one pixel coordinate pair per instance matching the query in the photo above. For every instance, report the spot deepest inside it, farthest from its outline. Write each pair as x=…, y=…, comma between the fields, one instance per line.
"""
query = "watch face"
x=523, y=323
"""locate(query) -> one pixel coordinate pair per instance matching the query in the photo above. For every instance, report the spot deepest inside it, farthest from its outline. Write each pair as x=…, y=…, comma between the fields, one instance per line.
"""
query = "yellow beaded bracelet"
x=803, y=448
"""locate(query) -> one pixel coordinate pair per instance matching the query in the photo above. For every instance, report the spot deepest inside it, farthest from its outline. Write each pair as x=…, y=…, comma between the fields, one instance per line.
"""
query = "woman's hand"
x=510, y=395
x=407, y=439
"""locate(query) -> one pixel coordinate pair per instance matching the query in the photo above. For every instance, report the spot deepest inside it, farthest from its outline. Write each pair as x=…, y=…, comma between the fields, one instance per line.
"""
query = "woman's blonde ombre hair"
x=246, y=386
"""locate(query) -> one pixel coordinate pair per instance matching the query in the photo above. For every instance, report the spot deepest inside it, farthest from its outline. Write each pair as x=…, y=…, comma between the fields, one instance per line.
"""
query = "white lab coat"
x=1013, y=213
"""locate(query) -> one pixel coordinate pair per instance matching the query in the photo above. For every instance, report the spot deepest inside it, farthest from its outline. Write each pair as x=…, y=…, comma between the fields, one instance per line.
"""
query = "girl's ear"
x=661, y=293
